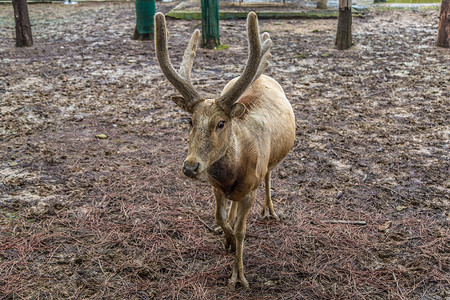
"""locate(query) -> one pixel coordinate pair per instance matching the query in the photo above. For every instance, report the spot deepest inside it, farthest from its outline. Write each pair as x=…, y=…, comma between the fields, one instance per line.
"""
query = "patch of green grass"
x=222, y=47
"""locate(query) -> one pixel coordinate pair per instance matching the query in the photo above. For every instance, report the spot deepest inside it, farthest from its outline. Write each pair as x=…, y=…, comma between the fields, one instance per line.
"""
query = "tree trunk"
x=23, y=25
x=321, y=4
x=444, y=25
x=145, y=24
x=344, y=29
x=142, y=36
x=210, y=24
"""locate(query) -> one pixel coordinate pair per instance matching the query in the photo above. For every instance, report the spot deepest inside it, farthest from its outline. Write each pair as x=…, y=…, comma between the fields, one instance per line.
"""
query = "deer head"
x=211, y=134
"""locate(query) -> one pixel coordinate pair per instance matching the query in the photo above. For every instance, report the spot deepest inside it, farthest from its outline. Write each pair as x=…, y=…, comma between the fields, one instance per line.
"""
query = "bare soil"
x=93, y=203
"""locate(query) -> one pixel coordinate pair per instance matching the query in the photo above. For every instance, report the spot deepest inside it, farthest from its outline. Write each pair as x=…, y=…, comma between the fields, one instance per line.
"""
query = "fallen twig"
x=350, y=222
x=345, y=150
x=392, y=191
x=374, y=94
x=206, y=225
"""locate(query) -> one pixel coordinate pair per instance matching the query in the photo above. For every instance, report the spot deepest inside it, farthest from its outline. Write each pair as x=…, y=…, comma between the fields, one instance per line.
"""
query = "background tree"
x=321, y=4
x=145, y=24
x=24, y=37
x=444, y=25
x=344, y=29
x=210, y=24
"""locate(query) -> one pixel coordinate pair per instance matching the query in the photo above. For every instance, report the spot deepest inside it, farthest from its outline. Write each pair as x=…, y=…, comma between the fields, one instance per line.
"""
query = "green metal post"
x=145, y=25
x=210, y=24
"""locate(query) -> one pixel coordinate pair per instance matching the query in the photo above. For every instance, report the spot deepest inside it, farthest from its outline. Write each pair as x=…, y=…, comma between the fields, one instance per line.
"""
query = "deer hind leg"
x=239, y=231
x=268, y=212
x=221, y=215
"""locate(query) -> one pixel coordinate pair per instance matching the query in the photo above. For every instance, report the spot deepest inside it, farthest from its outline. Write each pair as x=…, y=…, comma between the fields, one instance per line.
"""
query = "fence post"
x=145, y=25
x=210, y=24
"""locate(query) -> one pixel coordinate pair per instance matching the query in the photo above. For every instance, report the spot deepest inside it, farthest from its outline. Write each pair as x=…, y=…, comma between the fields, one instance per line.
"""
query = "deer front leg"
x=239, y=231
x=221, y=215
x=231, y=219
x=268, y=212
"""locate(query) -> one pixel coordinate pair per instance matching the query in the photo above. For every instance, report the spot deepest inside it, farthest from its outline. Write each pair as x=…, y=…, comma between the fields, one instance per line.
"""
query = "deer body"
x=235, y=139
x=261, y=138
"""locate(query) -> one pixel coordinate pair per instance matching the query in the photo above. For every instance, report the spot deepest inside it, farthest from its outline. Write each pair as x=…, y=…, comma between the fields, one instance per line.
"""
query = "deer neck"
x=222, y=174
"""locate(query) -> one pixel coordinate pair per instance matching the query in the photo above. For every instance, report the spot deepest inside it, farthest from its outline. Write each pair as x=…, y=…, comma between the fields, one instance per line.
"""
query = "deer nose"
x=190, y=169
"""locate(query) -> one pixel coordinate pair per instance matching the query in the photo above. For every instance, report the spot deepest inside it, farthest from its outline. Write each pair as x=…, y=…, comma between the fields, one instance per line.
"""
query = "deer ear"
x=181, y=102
x=237, y=110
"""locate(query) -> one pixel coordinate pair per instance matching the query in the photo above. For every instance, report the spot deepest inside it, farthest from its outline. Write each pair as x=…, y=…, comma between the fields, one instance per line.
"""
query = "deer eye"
x=220, y=125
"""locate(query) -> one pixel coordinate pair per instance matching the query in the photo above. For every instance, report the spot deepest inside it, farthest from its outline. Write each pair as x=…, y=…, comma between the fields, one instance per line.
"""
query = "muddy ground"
x=84, y=217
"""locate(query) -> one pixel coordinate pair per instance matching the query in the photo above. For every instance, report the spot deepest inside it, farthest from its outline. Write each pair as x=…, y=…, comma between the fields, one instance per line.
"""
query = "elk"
x=236, y=139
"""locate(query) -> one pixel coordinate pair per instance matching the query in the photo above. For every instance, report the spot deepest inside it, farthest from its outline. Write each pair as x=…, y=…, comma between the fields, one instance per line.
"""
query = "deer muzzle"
x=191, y=168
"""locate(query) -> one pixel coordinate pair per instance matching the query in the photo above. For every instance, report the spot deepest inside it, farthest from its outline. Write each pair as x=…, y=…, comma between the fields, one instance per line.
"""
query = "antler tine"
x=256, y=54
x=180, y=81
x=189, y=55
x=266, y=55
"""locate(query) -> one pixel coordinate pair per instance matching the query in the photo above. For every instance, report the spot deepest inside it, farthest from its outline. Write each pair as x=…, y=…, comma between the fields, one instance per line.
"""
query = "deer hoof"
x=232, y=285
x=269, y=214
x=217, y=230
x=237, y=277
x=230, y=243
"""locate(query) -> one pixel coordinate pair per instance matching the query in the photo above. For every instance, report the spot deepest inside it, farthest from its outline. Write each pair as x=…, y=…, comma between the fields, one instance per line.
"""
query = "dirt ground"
x=93, y=204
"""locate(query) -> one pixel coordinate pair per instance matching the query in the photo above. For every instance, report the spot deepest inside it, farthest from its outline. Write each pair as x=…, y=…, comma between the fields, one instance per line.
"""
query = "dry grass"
x=138, y=233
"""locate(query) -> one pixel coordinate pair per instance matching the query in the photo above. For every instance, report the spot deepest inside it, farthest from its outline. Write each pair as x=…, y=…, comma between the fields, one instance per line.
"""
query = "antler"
x=180, y=80
x=258, y=60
